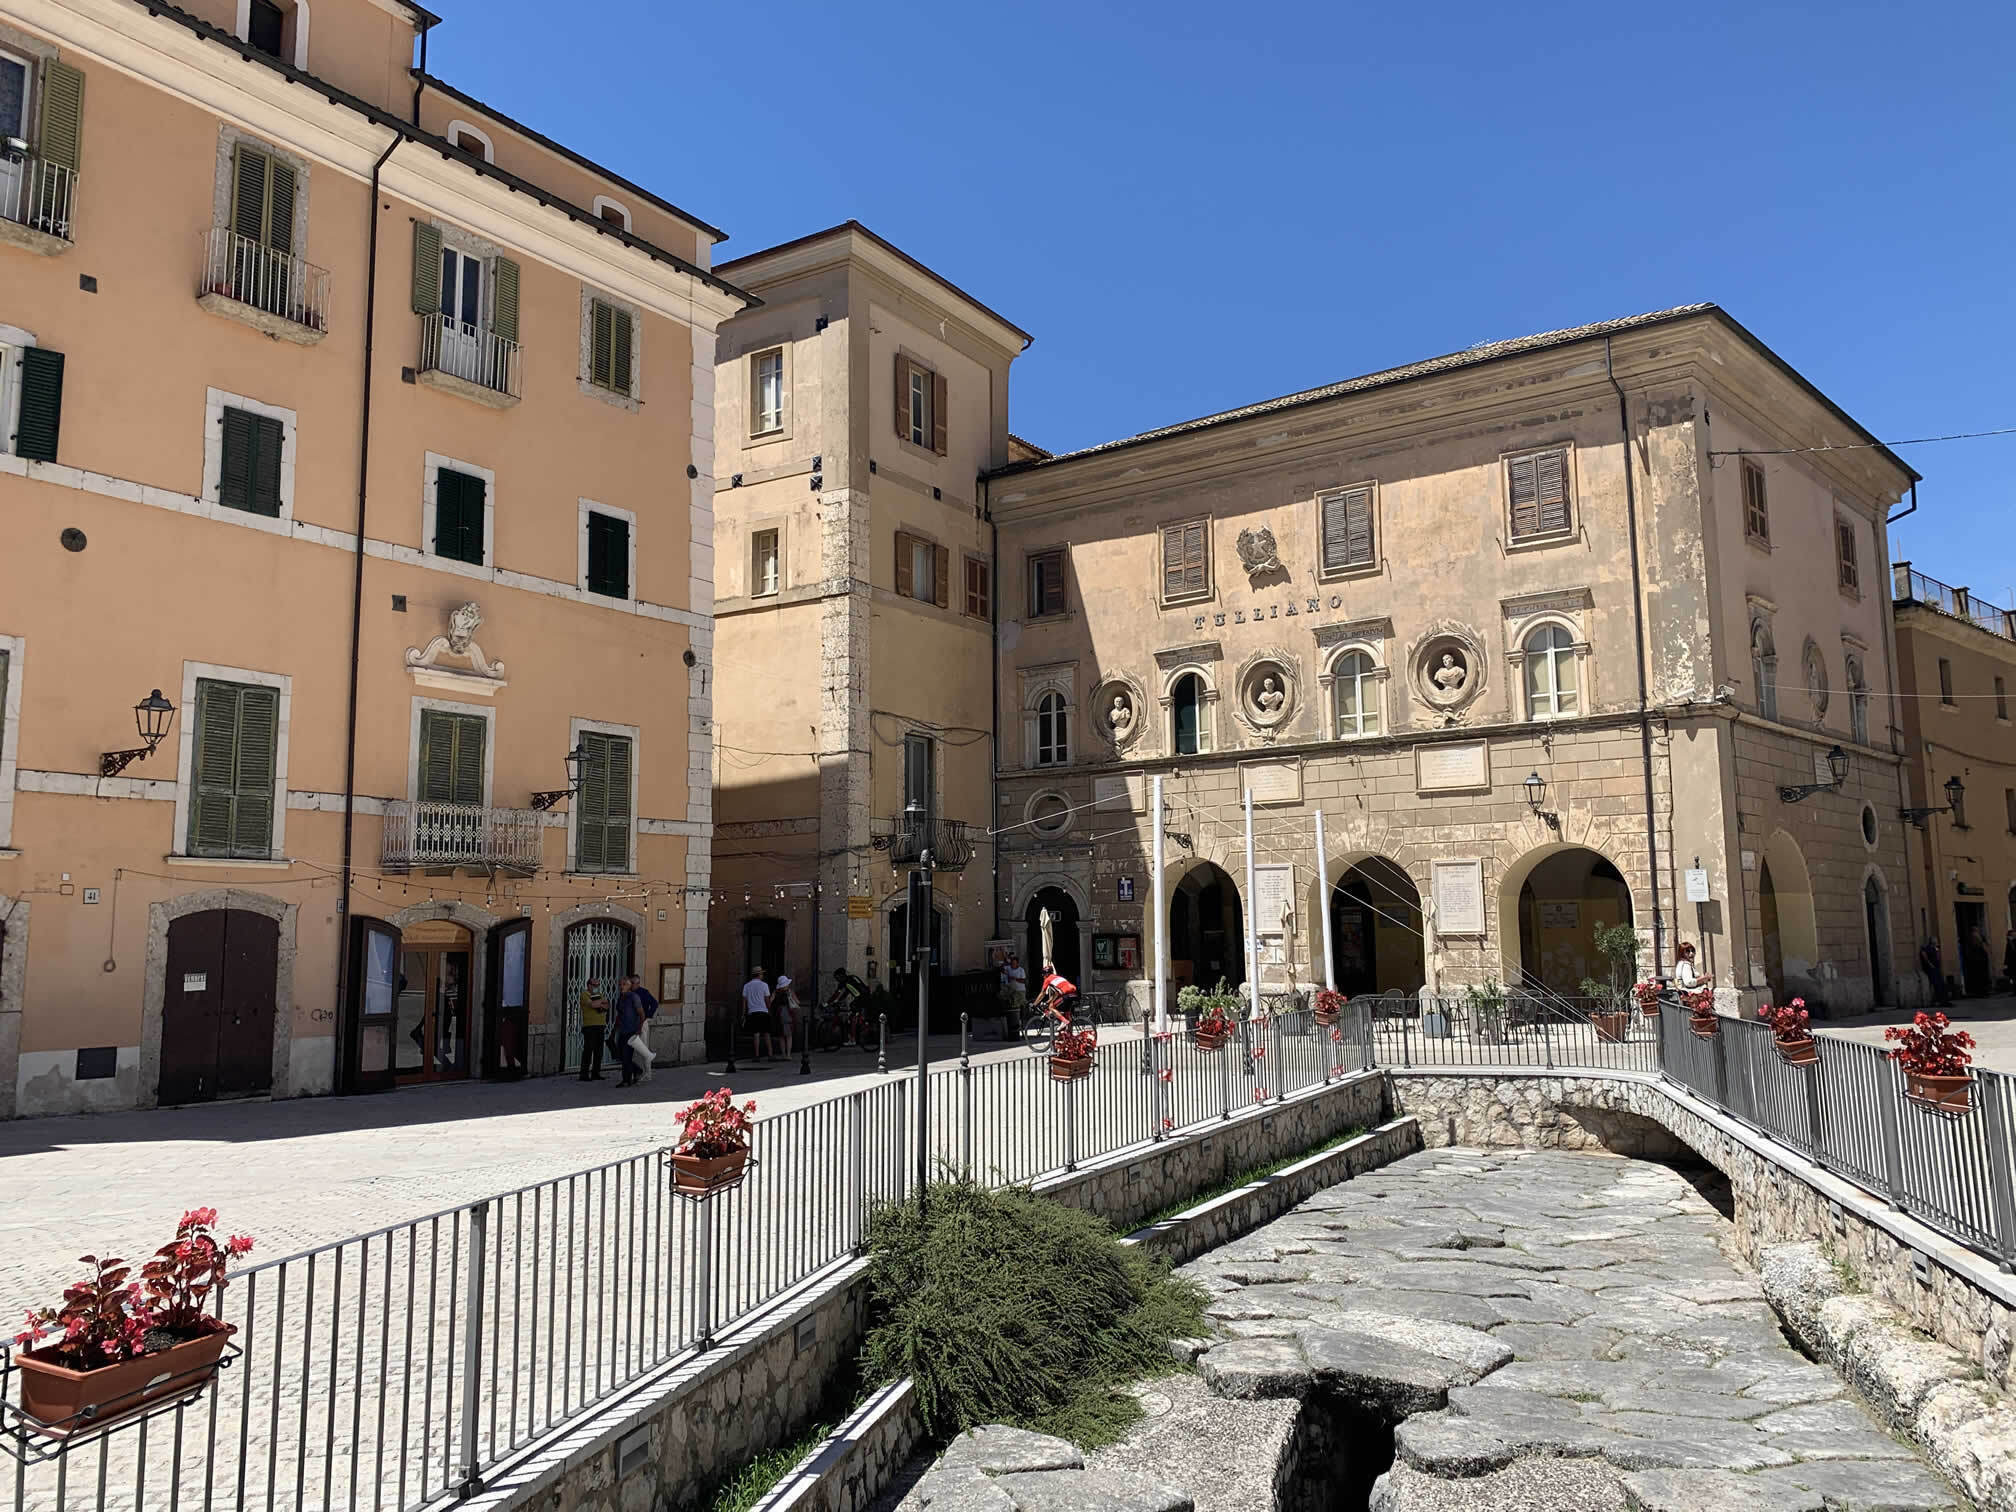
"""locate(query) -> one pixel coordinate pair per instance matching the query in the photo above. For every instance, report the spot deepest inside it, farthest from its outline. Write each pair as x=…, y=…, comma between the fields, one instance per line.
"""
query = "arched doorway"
x=598, y=951
x=1785, y=921
x=1207, y=934
x=1375, y=930
x=430, y=1032
x=1063, y=935
x=1876, y=920
x=218, y=1010
x=1565, y=897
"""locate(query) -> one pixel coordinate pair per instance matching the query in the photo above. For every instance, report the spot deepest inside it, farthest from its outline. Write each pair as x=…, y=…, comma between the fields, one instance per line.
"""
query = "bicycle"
x=1040, y=1031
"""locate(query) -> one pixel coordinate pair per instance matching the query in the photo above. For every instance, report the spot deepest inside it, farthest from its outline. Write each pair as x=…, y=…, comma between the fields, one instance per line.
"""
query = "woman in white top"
x=1684, y=975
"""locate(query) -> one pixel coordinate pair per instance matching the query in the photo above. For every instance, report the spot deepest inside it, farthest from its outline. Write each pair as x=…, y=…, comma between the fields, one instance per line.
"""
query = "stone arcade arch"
x=1207, y=938
x=1550, y=903
x=1787, y=930
x=1377, y=942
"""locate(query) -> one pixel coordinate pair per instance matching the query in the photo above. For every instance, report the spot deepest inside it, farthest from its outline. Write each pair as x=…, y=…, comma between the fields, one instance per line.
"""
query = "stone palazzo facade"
x=1551, y=631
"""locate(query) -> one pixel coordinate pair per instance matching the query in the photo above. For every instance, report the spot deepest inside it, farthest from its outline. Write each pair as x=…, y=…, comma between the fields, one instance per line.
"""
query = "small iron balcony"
x=272, y=291
x=425, y=835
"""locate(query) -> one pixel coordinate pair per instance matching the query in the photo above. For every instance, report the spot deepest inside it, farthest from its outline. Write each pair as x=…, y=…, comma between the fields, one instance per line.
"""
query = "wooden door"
x=506, y=999
x=218, y=1006
x=373, y=1004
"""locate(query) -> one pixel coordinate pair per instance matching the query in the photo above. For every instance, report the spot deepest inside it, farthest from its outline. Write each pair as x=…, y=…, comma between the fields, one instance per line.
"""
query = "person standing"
x=594, y=1030
x=756, y=1010
x=1014, y=995
x=1976, y=964
x=629, y=1022
x=1685, y=978
x=784, y=1008
x=1935, y=971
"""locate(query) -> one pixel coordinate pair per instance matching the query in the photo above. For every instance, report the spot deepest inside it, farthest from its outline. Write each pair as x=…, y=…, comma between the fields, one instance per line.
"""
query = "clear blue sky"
x=1195, y=206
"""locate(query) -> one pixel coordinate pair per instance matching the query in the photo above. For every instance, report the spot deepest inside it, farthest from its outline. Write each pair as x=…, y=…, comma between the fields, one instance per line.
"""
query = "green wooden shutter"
x=616, y=813
x=248, y=200
x=41, y=404
x=602, y=815
x=619, y=370
x=458, y=515
x=234, y=482
x=426, y=268
x=601, y=343
x=280, y=208
x=504, y=298
x=1551, y=484
x=608, y=556
x=62, y=128
x=269, y=436
x=451, y=757
x=214, y=779
x=258, y=750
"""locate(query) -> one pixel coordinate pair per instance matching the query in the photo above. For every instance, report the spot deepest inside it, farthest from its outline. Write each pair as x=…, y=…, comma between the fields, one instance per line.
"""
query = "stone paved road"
x=1546, y=1329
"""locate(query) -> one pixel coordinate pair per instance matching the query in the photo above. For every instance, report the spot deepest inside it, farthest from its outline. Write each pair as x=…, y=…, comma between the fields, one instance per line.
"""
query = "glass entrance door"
x=462, y=315
x=430, y=1041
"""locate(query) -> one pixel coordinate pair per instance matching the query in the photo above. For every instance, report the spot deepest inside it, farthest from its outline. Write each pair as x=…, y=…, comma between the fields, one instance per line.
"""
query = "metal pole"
x=921, y=954
x=703, y=1276
x=1993, y=1090
x=1158, y=1094
x=857, y=1166
x=1071, y=1125
x=1323, y=906
x=1252, y=938
x=965, y=1097
x=1893, y=1141
x=472, y=1347
x=882, y=1050
x=1160, y=932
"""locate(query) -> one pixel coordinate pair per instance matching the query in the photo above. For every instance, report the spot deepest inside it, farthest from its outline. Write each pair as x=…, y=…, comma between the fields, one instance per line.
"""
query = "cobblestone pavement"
x=1991, y=1020
x=1504, y=1308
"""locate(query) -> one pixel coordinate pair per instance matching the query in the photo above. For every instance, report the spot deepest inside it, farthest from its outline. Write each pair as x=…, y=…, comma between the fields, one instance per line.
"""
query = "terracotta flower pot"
x=704, y=1175
x=1705, y=1024
x=1799, y=1052
x=1611, y=1026
x=1942, y=1094
x=1327, y=1016
x=65, y=1401
x=1210, y=1040
x=1070, y=1067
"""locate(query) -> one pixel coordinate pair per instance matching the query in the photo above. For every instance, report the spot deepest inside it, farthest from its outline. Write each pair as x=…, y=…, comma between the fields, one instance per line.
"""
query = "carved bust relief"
x=1448, y=670
x=1117, y=712
x=1267, y=693
x=482, y=676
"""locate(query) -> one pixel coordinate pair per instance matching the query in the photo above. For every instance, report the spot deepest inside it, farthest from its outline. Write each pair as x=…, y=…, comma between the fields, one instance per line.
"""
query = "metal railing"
x=401, y=1368
x=37, y=194
x=421, y=833
x=1909, y=586
x=484, y=358
x=911, y=835
x=271, y=281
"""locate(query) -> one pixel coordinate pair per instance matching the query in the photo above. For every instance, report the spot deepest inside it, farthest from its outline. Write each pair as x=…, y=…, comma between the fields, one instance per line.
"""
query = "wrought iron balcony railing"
x=39, y=195
x=1911, y=587
x=457, y=350
x=266, y=281
x=423, y=835
x=911, y=837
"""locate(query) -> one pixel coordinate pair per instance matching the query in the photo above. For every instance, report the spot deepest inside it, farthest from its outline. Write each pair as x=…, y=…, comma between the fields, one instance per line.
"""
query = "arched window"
x=1357, y=694
x=1550, y=674
x=1053, y=732
x=1858, y=701
x=1764, y=667
x=1187, y=704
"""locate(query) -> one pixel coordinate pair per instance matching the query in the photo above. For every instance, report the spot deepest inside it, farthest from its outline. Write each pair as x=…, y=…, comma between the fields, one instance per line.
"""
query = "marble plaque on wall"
x=1459, y=897
x=1121, y=795
x=1272, y=781
x=1452, y=768
x=1273, y=897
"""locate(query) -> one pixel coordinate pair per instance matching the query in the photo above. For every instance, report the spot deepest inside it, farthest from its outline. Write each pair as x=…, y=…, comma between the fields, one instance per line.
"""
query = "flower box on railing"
x=1940, y=1094
x=1067, y=1068
x=1612, y=1026
x=712, y=1155
x=1934, y=1058
x=62, y=1402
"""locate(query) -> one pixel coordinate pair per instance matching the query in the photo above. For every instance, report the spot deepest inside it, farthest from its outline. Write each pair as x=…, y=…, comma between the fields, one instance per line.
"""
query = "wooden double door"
x=219, y=1006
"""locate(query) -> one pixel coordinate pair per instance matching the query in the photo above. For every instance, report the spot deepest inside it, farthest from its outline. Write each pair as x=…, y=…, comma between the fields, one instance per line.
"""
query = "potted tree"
x=713, y=1150
x=1619, y=945
x=1934, y=1058
x=129, y=1345
x=1487, y=1011
x=1329, y=1006
x=1071, y=1053
x=1792, y=1031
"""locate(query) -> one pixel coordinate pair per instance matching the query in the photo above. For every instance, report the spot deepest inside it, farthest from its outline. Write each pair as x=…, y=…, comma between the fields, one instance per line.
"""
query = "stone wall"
x=1940, y=1288
x=849, y=1470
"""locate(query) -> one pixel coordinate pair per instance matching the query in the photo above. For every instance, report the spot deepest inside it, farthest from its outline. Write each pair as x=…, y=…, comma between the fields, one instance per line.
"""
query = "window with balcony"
x=41, y=136
x=234, y=769
x=763, y=563
x=919, y=777
x=452, y=757
x=603, y=809
x=253, y=269
x=468, y=309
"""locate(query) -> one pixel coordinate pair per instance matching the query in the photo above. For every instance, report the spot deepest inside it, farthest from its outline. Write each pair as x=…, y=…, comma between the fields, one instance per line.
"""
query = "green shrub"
x=1004, y=1307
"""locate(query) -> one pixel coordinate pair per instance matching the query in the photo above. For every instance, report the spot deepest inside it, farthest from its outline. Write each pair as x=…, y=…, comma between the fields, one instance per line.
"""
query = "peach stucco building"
x=374, y=430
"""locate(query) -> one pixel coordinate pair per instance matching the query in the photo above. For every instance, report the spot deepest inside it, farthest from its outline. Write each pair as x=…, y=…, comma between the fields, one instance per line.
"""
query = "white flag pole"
x=1323, y=906
x=1252, y=921
x=1160, y=931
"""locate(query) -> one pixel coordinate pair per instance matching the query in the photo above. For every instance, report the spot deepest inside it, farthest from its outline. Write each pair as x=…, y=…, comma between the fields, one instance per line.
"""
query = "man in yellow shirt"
x=594, y=1030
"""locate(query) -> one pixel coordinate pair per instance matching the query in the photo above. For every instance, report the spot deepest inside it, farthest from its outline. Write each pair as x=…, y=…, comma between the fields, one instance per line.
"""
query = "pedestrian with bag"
x=594, y=1030
x=629, y=1031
